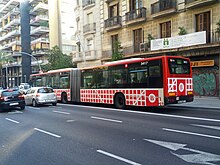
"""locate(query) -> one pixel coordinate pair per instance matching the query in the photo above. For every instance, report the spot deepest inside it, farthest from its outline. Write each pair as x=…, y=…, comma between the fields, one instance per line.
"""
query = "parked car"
x=40, y=95
x=11, y=98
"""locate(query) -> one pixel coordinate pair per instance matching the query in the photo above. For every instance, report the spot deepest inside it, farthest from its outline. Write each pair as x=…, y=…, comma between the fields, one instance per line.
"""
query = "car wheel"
x=22, y=107
x=54, y=104
x=34, y=103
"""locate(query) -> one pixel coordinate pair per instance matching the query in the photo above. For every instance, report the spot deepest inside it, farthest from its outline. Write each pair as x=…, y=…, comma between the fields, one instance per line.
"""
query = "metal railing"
x=113, y=21
x=89, y=28
x=162, y=5
x=88, y=2
x=135, y=14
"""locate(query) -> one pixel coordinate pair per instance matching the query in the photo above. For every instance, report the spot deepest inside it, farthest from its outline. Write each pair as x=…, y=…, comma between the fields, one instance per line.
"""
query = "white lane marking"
x=15, y=112
x=66, y=113
x=34, y=108
x=118, y=157
x=105, y=119
x=147, y=113
x=14, y=121
x=197, y=156
x=192, y=133
x=69, y=121
x=207, y=126
x=48, y=133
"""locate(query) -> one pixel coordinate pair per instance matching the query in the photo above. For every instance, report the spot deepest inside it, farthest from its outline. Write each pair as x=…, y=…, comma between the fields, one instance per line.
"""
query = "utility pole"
x=25, y=39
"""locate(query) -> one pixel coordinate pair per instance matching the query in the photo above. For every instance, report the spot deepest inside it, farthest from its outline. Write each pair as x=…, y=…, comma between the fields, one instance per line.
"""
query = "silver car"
x=40, y=95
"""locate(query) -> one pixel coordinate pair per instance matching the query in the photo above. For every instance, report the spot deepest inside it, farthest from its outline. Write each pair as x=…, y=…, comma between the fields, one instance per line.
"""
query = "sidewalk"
x=202, y=102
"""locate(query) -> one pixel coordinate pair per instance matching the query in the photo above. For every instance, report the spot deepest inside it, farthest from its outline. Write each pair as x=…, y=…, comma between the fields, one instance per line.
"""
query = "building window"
x=89, y=18
x=135, y=4
x=137, y=39
x=165, y=29
x=203, y=24
x=114, y=39
x=113, y=11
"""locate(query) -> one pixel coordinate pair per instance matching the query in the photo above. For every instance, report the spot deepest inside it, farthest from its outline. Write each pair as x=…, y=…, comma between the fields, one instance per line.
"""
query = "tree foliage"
x=117, y=51
x=58, y=60
x=182, y=31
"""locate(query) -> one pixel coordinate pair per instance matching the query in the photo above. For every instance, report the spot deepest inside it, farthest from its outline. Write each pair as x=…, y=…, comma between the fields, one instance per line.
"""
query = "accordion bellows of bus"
x=155, y=81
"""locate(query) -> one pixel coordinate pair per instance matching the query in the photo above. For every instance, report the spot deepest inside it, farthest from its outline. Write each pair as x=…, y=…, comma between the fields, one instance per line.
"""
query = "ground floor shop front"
x=206, y=75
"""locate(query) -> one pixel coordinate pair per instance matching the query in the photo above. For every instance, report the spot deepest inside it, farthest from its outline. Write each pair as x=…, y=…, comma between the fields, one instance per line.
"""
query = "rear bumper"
x=46, y=101
x=179, y=99
x=9, y=105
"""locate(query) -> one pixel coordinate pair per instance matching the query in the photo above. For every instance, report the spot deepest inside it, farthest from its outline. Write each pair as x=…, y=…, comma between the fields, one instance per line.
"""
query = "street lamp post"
x=25, y=76
x=40, y=70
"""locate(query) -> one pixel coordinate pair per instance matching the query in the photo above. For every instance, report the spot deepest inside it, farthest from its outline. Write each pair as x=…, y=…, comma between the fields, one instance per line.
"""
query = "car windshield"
x=45, y=90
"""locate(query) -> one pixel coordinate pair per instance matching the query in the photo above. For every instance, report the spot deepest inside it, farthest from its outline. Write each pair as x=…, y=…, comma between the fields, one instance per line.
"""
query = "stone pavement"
x=202, y=102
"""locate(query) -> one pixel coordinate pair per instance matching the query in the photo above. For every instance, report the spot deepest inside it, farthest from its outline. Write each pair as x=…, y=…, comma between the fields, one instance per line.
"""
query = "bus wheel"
x=119, y=101
x=64, y=98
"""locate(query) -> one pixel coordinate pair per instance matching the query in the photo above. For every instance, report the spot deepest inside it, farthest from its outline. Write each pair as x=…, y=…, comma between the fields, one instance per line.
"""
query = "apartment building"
x=47, y=19
x=142, y=25
x=88, y=33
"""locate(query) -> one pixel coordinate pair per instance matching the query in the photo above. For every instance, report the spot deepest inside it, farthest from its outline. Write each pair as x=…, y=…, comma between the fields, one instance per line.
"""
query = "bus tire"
x=64, y=98
x=119, y=101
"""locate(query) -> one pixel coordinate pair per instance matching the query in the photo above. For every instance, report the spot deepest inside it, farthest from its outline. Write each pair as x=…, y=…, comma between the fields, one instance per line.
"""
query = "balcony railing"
x=136, y=14
x=197, y=3
x=89, y=28
x=88, y=2
x=162, y=5
x=113, y=21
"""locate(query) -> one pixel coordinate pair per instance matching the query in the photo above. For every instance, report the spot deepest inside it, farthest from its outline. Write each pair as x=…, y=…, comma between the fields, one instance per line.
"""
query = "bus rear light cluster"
x=190, y=92
x=172, y=94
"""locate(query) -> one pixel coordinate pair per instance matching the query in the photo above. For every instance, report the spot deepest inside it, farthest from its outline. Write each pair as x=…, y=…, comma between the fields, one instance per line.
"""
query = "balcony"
x=77, y=57
x=40, y=52
x=40, y=30
x=89, y=28
x=90, y=55
x=11, y=34
x=38, y=20
x=113, y=23
x=163, y=7
x=88, y=3
x=14, y=22
x=136, y=16
x=40, y=8
x=10, y=44
x=9, y=5
x=190, y=4
x=40, y=40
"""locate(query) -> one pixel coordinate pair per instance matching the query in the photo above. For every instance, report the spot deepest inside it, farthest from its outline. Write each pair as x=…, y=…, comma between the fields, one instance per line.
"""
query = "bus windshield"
x=179, y=66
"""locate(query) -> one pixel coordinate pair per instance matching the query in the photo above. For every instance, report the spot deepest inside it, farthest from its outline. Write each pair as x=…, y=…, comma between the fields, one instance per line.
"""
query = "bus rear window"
x=179, y=66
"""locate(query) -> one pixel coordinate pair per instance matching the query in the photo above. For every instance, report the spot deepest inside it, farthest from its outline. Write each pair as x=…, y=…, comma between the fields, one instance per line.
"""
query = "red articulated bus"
x=155, y=81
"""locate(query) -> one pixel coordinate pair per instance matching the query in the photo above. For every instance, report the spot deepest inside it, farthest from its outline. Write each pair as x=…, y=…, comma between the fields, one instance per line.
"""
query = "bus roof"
x=131, y=60
x=55, y=71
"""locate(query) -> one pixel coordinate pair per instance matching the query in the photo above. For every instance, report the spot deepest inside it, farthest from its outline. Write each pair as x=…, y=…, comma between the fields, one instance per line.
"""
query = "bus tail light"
x=190, y=92
x=172, y=94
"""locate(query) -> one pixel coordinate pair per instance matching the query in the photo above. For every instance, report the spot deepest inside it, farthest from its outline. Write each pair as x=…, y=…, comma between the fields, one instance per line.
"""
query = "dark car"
x=11, y=98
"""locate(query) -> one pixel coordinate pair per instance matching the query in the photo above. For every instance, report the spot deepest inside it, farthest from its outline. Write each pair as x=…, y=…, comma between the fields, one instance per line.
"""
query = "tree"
x=4, y=59
x=117, y=51
x=58, y=60
x=182, y=31
x=218, y=27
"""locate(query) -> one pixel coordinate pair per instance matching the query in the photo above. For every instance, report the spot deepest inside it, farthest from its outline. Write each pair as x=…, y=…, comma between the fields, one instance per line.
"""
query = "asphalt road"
x=85, y=135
